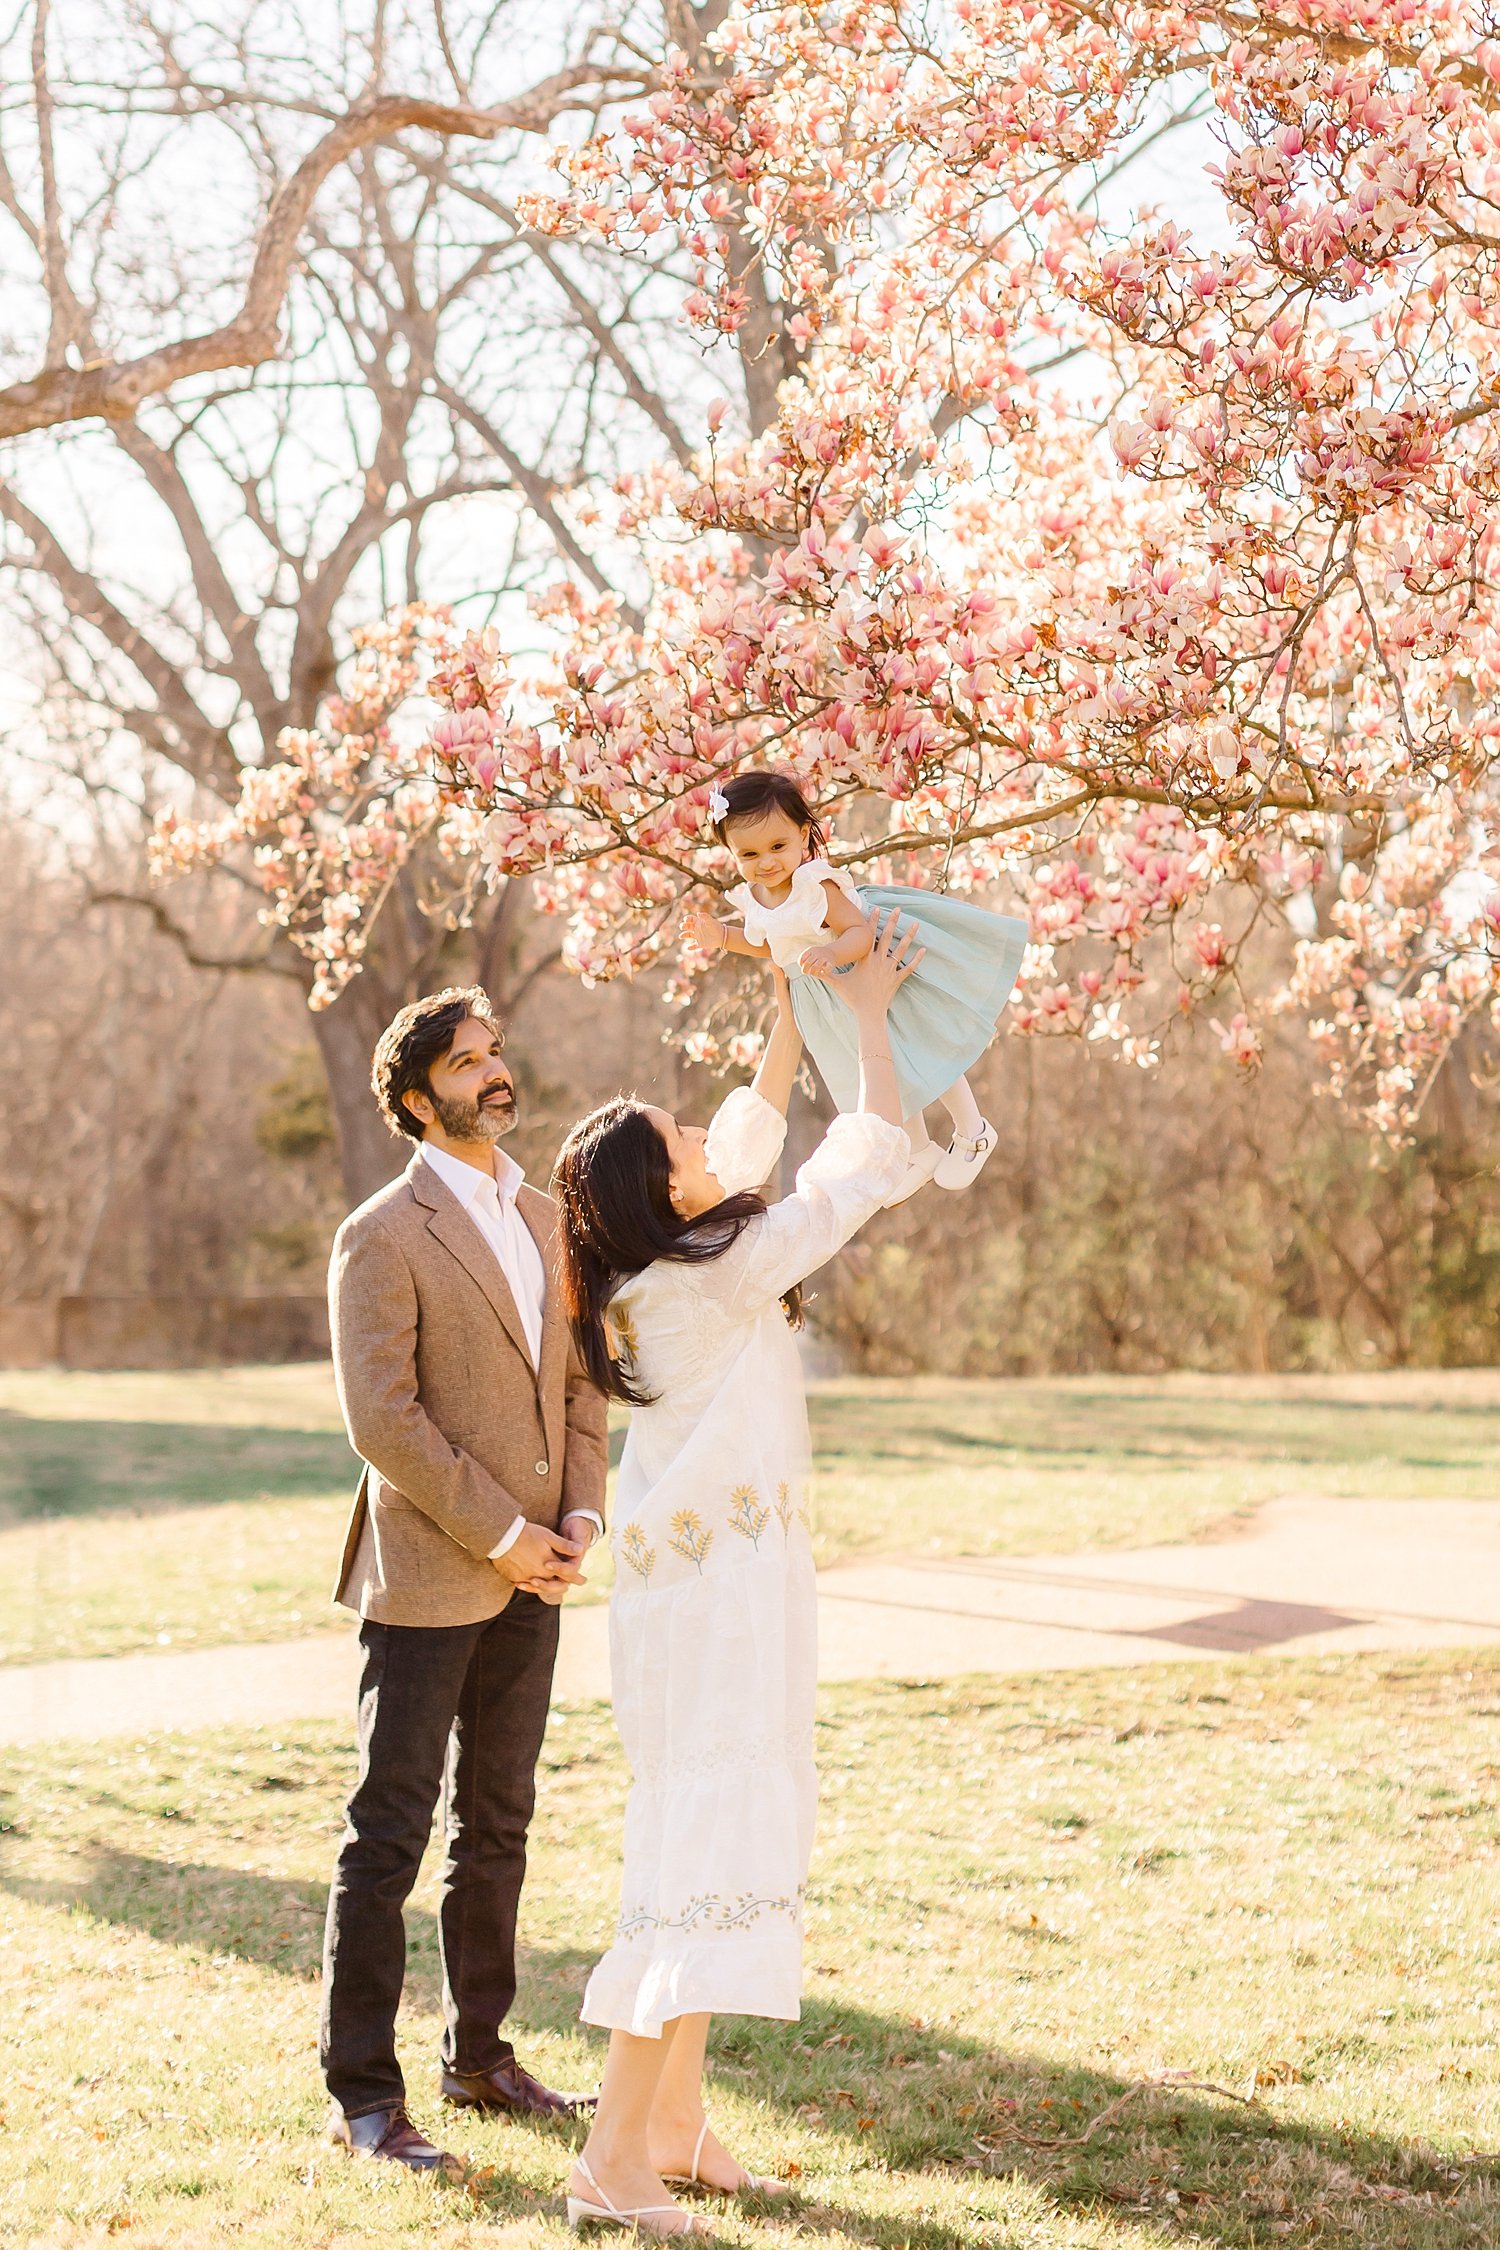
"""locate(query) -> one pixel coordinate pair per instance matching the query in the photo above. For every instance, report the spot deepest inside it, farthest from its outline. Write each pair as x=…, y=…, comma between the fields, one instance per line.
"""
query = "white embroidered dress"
x=713, y=1619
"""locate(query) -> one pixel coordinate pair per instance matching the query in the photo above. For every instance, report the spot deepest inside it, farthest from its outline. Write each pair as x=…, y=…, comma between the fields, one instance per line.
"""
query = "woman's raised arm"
x=862, y=1157
x=746, y=1137
x=778, y=1065
x=870, y=986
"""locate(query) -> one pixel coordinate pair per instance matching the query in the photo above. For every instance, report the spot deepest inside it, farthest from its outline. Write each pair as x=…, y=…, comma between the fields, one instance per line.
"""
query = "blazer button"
x=541, y=1468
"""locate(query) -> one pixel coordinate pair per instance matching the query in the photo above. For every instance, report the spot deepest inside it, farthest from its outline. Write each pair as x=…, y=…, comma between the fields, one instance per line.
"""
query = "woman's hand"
x=778, y=1065
x=701, y=931
x=872, y=984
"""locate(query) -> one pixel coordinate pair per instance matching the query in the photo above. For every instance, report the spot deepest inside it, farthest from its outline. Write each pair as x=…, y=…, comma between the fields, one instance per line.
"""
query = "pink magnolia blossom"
x=1153, y=663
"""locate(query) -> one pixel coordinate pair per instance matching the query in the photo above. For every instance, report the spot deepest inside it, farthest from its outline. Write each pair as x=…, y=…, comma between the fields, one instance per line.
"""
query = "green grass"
x=1029, y=1897
x=144, y=1510
x=255, y=1570
x=181, y=1510
x=1125, y=1461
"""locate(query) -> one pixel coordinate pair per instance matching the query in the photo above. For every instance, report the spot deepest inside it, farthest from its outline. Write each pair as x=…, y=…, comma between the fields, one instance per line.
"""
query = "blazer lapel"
x=450, y=1222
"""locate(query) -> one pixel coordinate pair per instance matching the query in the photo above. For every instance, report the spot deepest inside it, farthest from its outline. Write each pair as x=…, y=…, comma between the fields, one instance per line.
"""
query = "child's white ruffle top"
x=801, y=919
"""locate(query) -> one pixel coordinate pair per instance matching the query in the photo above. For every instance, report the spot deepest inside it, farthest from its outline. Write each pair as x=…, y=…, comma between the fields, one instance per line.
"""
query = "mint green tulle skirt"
x=942, y=1019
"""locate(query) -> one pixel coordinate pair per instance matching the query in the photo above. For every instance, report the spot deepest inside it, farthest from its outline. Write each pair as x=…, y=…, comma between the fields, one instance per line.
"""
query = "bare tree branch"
x=637, y=389
x=231, y=964
x=66, y=321
x=538, y=496
x=114, y=388
x=460, y=79
x=203, y=749
x=210, y=579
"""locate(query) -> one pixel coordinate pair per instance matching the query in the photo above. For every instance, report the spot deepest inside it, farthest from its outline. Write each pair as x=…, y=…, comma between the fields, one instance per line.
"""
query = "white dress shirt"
x=491, y=1203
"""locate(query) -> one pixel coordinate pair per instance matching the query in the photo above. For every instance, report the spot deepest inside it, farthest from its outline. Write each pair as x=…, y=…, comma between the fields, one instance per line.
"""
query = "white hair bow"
x=718, y=803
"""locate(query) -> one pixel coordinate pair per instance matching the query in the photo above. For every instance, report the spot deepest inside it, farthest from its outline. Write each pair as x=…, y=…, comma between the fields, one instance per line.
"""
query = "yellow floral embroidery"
x=627, y=1342
x=748, y=1517
x=689, y=1539
x=641, y=1558
x=784, y=1509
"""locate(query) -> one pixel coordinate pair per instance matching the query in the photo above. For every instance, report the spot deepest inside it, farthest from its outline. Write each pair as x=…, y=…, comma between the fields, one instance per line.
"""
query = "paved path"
x=1309, y=1576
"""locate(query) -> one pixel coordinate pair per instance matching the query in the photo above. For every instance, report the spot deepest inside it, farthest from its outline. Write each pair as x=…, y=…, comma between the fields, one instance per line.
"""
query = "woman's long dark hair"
x=613, y=1186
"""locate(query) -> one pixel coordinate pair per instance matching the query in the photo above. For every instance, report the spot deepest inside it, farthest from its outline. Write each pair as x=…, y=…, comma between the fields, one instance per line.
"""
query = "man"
x=485, y=1455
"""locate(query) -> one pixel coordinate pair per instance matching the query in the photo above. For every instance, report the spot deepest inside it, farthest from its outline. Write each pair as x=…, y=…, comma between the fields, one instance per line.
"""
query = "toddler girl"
x=810, y=918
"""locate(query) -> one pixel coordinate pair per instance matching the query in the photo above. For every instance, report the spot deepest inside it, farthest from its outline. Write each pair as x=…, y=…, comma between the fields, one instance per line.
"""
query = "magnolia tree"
x=1142, y=572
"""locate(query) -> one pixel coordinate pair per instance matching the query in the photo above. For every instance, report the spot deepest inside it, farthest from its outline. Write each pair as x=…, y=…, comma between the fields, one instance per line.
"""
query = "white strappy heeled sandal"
x=604, y=2213
x=753, y=2183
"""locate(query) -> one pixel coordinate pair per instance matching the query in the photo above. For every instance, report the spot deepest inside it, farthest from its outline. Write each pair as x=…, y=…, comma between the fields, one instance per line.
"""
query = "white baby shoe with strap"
x=922, y=1168
x=960, y=1166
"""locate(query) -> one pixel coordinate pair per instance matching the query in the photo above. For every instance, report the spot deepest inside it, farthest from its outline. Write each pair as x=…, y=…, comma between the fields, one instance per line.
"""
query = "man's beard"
x=483, y=1120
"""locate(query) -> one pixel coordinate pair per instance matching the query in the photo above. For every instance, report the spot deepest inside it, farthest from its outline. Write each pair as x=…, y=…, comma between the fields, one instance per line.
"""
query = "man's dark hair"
x=413, y=1041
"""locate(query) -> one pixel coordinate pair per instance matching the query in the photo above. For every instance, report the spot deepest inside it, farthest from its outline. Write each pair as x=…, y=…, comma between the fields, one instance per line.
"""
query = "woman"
x=680, y=1286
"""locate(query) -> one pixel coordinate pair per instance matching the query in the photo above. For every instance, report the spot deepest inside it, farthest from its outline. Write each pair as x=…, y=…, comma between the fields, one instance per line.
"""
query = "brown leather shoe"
x=510, y=2088
x=391, y=2135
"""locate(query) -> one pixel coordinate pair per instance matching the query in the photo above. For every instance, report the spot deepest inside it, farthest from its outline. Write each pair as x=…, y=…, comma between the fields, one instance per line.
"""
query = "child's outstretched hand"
x=819, y=961
x=701, y=931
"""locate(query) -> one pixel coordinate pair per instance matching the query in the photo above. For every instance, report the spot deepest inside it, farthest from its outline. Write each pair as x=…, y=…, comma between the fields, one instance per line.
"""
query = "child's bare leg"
x=924, y=1160
x=961, y=1106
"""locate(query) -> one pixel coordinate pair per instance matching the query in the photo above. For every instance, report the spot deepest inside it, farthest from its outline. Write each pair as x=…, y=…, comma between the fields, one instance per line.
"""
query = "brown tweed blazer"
x=459, y=1433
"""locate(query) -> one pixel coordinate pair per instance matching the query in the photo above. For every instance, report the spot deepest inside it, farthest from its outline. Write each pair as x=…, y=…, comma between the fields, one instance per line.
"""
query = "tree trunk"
x=346, y=1033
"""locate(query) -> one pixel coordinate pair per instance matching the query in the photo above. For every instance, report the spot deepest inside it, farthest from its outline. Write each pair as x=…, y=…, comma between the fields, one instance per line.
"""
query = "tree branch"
x=65, y=325
x=234, y=964
x=637, y=390
x=210, y=579
x=205, y=751
x=116, y=388
x=534, y=486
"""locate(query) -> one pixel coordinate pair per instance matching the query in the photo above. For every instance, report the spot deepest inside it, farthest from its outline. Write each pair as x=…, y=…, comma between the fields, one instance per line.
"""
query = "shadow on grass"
x=270, y=1921
x=215, y=1911
x=1204, y=2167
x=898, y=2098
x=51, y=1469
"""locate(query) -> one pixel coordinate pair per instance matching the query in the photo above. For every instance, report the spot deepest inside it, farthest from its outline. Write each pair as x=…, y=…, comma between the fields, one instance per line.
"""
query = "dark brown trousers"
x=461, y=1710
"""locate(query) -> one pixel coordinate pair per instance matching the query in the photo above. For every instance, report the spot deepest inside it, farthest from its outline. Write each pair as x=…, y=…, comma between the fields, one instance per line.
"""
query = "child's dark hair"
x=761, y=790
